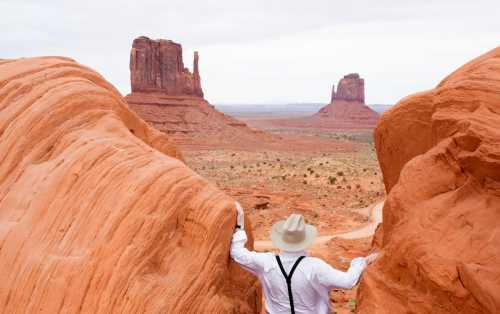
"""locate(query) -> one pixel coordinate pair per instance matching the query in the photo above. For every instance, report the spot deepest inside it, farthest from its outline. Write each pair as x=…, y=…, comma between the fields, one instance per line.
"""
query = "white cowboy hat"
x=293, y=234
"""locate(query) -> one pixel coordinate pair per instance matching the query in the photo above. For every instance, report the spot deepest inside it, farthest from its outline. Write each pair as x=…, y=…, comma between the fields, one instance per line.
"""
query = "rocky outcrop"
x=347, y=109
x=440, y=155
x=98, y=212
x=157, y=66
x=351, y=88
x=170, y=98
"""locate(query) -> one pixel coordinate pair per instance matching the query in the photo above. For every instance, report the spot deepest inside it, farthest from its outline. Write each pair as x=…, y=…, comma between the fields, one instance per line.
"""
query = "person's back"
x=292, y=281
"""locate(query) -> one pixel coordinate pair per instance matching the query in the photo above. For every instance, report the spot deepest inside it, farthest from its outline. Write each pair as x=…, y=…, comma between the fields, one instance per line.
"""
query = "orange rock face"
x=97, y=212
x=440, y=155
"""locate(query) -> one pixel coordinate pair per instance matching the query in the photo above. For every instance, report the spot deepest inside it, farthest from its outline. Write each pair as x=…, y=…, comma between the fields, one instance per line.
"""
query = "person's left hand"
x=372, y=257
x=240, y=219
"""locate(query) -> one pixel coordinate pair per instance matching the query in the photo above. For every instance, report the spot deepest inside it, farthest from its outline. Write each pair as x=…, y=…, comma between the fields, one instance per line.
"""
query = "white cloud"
x=265, y=51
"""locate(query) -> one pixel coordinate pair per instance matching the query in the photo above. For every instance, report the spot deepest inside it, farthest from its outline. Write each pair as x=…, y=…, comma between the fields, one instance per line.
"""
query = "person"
x=293, y=282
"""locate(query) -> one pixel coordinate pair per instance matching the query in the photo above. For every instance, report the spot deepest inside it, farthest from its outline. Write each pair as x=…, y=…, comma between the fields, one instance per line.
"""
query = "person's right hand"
x=240, y=219
x=372, y=257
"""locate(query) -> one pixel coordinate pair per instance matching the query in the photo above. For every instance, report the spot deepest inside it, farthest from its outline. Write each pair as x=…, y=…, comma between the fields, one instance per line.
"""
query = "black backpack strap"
x=288, y=278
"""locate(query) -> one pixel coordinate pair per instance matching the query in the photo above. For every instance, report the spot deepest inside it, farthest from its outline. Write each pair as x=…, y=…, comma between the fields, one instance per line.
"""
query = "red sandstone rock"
x=347, y=109
x=440, y=155
x=97, y=213
x=171, y=99
x=193, y=123
x=350, y=88
x=157, y=66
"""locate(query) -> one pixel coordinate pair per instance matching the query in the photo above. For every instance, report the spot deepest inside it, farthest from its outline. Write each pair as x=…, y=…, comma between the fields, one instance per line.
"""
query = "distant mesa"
x=170, y=98
x=156, y=66
x=347, y=107
x=350, y=88
x=346, y=110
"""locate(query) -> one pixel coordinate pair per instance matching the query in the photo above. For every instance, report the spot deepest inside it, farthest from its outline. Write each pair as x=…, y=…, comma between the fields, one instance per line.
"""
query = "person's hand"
x=372, y=257
x=240, y=219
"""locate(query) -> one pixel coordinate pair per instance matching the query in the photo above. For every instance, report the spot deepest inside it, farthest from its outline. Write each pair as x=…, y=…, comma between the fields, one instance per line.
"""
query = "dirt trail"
x=361, y=232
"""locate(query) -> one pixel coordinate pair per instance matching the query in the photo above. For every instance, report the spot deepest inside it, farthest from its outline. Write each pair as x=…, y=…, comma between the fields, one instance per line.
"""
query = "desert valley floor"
x=335, y=186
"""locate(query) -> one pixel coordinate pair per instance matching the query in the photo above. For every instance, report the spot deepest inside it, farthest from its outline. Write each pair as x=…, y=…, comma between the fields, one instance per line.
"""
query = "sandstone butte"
x=439, y=151
x=98, y=213
x=170, y=98
x=346, y=110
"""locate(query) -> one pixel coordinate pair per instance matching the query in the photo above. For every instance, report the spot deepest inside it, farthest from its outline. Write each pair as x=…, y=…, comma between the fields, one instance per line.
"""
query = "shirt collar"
x=293, y=254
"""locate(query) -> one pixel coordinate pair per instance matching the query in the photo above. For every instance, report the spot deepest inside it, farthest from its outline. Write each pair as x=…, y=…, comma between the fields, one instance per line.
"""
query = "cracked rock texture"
x=98, y=213
x=439, y=151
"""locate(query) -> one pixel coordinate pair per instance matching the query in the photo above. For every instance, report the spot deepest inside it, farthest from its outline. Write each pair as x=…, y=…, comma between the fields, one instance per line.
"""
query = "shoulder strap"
x=288, y=278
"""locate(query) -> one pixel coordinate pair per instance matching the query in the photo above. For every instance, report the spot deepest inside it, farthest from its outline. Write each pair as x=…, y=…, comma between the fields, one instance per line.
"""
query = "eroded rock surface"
x=170, y=98
x=98, y=214
x=157, y=66
x=440, y=155
x=351, y=88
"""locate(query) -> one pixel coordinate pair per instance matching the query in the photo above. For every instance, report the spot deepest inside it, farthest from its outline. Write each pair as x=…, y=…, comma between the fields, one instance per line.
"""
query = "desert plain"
x=331, y=177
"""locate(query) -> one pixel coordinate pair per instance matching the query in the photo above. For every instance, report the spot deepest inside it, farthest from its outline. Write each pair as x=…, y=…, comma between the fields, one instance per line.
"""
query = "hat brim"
x=277, y=238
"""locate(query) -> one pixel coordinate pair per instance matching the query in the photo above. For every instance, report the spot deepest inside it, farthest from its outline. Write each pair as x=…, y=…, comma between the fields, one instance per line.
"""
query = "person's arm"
x=251, y=261
x=328, y=277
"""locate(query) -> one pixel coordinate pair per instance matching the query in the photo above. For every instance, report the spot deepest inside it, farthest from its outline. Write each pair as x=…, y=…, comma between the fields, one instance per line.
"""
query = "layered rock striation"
x=439, y=151
x=170, y=98
x=98, y=214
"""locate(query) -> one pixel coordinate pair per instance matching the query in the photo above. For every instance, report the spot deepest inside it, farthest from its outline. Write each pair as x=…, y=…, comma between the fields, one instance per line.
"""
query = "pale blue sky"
x=265, y=51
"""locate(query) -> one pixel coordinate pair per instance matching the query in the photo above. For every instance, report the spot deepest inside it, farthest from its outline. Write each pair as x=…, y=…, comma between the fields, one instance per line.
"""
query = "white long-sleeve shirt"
x=311, y=282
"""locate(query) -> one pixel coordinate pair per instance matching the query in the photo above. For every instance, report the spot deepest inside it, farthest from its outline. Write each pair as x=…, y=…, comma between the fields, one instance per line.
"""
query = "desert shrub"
x=358, y=186
x=332, y=180
x=340, y=173
x=352, y=304
x=317, y=175
x=305, y=182
x=305, y=175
